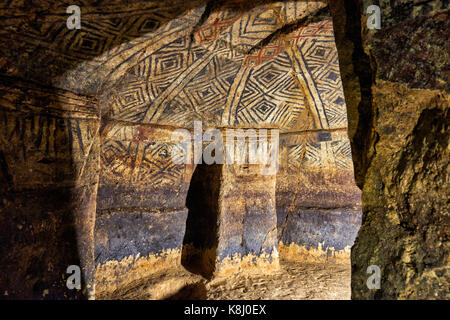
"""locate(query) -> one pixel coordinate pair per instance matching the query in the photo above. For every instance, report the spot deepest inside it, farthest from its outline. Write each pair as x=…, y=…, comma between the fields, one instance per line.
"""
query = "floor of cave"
x=294, y=281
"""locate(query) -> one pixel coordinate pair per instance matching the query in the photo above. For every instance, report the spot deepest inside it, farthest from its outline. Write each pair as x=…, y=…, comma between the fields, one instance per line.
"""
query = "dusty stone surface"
x=302, y=280
x=295, y=281
x=405, y=195
x=170, y=284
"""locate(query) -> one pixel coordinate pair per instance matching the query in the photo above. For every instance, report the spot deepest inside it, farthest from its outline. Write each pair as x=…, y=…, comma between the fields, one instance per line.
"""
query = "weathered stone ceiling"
x=261, y=67
x=109, y=29
x=172, y=62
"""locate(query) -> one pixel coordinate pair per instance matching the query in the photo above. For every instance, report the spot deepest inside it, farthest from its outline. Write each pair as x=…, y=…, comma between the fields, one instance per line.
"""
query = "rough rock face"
x=396, y=86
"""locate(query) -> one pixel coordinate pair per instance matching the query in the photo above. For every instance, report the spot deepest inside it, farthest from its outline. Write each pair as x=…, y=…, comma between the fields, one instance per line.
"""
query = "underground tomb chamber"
x=136, y=213
x=88, y=179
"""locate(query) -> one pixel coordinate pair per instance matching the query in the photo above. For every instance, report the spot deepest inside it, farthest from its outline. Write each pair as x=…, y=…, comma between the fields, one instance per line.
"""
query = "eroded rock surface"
x=396, y=89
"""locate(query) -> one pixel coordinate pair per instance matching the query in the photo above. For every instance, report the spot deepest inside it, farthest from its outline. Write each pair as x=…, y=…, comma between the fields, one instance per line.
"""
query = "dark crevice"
x=363, y=139
x=201, y=236
x=210, y=6
x=319, y=15
x=4, y=170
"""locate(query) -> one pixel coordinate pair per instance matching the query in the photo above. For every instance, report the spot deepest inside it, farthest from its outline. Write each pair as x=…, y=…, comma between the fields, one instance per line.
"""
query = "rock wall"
x=280, y=71
x=49, y=150
x=92, y=112
x=318, y=203
x=396, y=87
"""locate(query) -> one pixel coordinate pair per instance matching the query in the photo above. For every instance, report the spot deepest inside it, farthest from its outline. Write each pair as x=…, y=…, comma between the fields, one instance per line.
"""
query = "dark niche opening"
x=201, y=237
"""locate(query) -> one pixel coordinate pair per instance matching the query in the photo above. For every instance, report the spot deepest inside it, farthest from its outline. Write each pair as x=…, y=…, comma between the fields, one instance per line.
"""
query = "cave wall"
x=280, y=71
x=318, y=203
x=141, y=201
x=107, y=99
x=396, y=86
x=49, y=156
x=51, y=138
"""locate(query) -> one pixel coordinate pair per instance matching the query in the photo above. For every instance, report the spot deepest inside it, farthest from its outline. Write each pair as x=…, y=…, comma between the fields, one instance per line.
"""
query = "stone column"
x=247, y=233
x=247, y=220
x=231, y=225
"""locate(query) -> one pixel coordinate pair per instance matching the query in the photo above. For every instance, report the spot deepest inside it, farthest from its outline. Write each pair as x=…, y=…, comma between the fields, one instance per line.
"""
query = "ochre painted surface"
x=89, y=115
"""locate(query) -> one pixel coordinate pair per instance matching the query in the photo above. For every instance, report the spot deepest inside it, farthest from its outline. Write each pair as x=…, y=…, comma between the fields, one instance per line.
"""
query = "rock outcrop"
x=396, y=88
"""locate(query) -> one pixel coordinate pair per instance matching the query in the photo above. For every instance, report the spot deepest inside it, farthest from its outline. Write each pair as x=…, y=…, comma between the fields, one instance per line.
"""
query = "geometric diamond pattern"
x=221, y=77
x=233, y=67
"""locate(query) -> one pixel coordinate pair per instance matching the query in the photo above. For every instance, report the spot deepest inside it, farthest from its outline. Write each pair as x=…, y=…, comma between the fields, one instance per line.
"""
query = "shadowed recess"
x=201, y=237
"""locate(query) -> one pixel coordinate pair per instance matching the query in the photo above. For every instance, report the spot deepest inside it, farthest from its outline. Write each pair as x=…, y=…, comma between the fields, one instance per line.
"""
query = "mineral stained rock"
x=396, y=86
